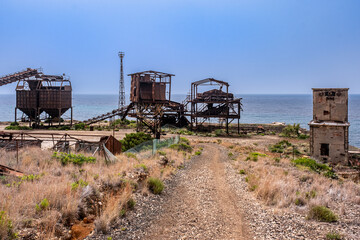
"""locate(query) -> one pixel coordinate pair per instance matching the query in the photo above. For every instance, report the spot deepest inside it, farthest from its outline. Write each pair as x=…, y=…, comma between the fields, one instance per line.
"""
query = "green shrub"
x=322, y=214
x=242, y=171
x=334, y=236
x=299, y=202
x=280, y=146
x=76, y=159
x=197, y=153
x=303, y=136
x=81, y=183
x=219, y=132
x=80, y=126
x=181, y=147
x=122, y=212
x=43, y=205
x=131, y=155
x=254, y=156
x=161, y=153
x=315, y=166
x=131, y=203
x=155, y=185
x=184, y=140
x=16, y=126
x=143, y=166
x=291, y=131
x=6, y=227
x=133, y=139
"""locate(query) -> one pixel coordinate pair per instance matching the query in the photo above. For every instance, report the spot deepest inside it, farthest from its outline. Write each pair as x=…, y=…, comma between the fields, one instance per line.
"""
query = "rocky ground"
x=208, y=199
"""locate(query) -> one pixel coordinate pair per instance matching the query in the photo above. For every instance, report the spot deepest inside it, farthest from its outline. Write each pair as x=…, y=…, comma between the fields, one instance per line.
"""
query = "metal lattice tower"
x=121, y=83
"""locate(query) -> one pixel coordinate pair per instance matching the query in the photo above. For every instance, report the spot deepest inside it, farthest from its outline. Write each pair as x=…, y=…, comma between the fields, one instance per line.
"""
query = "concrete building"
x=329, y=129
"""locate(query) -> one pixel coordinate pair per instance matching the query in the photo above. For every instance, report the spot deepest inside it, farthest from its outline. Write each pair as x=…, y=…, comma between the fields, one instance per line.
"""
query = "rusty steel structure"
x=151, y=104
x=40, y=97
x=213, y=104
x=151, y=99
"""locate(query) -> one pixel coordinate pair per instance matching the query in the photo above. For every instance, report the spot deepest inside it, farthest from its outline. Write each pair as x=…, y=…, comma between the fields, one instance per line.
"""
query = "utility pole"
x=121, y=83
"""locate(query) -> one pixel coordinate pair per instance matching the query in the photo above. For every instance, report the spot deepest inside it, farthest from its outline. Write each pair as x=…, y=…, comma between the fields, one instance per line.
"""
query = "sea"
x=262, y=108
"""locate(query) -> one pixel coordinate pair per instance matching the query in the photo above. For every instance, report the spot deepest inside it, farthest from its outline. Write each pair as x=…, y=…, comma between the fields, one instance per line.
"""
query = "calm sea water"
x=257, y=109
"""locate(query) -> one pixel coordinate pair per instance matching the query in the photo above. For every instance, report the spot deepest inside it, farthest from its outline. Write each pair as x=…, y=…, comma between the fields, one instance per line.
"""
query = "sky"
x=258, y=46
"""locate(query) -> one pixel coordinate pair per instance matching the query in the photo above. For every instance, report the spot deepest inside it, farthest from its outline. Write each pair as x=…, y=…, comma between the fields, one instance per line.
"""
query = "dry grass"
x=56, y=184
x=278, y=183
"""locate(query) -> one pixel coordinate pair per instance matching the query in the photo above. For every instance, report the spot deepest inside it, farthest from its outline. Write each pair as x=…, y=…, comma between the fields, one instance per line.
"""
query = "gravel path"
x=209, y=200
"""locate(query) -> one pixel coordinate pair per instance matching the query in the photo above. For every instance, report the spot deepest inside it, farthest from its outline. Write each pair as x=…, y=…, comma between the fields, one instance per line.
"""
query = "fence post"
x=154, y=146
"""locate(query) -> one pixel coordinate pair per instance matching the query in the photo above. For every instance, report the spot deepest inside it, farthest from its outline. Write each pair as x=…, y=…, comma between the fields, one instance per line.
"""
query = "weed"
x=77, y=184
x=161, y=153
x=131, y=155
x=181, y=147
x=254, y=156
x=76, y=159
x=197, y=153
x=6, y=227
x=333, y=236
x=315, y=166
x=131, y=204
x=311, y=194
x=122, y=212
x=230, y=154
x=277, y=160
x=155, y=185
x=219, y=141
x=242, y=171
x=43, y=205
x=143, y=166
x=253, y=188
x=322, y=214
x=300, y=202
x=280, y=146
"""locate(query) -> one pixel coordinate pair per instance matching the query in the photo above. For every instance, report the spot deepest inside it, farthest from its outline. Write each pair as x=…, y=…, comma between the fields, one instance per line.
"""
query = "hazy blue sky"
x=269, y=46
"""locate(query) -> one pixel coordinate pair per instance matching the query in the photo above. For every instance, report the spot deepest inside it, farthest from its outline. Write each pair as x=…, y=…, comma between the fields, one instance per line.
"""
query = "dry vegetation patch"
x=298, y=185
x=77, y=193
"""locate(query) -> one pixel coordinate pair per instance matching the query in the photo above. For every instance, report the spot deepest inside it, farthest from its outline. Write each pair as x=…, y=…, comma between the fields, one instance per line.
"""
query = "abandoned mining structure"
x=40, y=97
x=151, y=104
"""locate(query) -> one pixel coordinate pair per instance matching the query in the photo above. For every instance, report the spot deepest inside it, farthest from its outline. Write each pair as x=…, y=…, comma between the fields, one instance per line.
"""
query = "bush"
x=76, y=159
x=280, y=146
x=242, y=171
x=131, y=204
x=143, y=166
x=133, y=139
x=315, y=166
x=181, y=147
x=6, y=227
x=43, y=205
x=156, y=186
x=291, y=131
x=16, y=126
x=333, y=236
x=80, y=126
x=254, y=156
x=322, y=214
x=197, y=153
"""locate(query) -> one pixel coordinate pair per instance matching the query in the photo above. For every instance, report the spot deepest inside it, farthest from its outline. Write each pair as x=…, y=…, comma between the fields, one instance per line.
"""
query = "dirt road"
x=202, y=205
x=198, y=204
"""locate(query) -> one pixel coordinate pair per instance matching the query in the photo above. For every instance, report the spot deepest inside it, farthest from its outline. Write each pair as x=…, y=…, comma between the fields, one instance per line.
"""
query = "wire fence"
x=154, y=145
